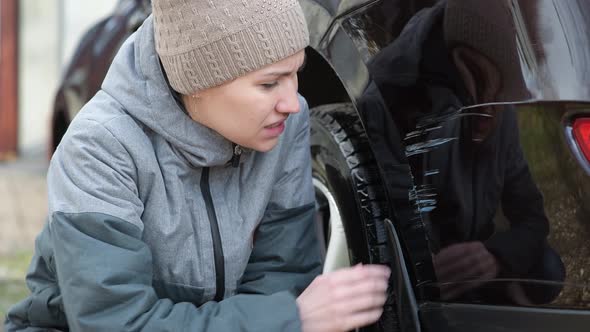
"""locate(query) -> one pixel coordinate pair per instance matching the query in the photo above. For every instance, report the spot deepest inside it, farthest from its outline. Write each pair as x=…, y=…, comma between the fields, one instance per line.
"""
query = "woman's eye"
x=269, y=86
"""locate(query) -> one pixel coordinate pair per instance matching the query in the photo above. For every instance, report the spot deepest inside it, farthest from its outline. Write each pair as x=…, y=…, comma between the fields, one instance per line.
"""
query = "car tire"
x=350, y=196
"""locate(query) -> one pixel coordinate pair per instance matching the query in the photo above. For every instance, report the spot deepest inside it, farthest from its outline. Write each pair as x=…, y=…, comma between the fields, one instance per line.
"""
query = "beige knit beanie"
x=205, y=43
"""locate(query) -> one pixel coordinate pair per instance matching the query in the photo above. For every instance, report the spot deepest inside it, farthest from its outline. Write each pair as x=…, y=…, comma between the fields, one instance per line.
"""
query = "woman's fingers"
x=358, y=273
x=369, y=287
x=363, y=303
x=345, y=299
x=360, y=319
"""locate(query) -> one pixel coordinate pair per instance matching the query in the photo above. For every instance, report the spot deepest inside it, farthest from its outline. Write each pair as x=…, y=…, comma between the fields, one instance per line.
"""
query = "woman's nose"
x=289, y=99
x=289, y=102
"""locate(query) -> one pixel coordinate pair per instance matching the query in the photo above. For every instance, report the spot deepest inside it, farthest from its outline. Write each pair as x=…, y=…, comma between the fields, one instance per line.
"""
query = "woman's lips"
x=275, y=129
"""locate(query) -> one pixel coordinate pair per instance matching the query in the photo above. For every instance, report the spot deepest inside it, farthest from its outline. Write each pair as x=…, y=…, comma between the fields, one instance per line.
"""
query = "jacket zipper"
x=237, y=153
x=215, y=236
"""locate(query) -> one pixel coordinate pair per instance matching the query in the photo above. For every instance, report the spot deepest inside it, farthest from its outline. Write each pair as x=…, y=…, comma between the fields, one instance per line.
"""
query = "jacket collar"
x=137, y=81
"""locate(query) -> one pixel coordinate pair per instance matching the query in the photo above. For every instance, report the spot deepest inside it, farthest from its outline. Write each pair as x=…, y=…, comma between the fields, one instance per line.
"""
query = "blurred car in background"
x=438, y=129
x=89, y=64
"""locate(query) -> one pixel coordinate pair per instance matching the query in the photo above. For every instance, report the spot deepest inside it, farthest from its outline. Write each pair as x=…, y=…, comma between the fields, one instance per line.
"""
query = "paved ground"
x=23, y=203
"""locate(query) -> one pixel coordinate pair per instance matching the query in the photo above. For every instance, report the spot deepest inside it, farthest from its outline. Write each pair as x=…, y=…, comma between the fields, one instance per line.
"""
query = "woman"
x=180, y=197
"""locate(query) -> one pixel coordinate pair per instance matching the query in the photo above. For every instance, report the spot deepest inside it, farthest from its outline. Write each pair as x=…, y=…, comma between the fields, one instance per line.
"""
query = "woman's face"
x=251, y=110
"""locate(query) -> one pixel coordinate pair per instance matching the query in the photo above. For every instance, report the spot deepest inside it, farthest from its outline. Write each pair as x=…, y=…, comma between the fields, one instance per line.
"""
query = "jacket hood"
x=404, y=56
x=136, y=80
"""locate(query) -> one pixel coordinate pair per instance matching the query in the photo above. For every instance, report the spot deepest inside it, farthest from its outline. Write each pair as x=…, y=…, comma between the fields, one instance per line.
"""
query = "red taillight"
x=582, y=135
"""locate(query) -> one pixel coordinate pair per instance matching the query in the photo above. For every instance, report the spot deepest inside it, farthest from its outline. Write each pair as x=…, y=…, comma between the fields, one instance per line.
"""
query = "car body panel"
x=351, y=46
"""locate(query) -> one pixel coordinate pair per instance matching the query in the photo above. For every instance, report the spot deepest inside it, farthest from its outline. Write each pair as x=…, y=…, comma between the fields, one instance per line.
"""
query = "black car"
x=450, y=140
x=91, y=60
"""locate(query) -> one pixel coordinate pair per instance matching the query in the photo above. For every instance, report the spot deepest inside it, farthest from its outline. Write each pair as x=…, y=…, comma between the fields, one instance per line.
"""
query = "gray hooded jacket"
x=150, y=227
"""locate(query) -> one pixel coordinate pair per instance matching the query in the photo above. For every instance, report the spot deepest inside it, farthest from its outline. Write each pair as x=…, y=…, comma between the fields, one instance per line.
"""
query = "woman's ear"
x=482, y=78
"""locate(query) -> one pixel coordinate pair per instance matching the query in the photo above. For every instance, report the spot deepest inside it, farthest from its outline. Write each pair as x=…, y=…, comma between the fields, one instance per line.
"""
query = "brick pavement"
x=23, y=203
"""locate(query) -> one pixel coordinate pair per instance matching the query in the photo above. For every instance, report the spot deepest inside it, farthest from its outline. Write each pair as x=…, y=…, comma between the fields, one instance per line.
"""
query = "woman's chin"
x=264, y=146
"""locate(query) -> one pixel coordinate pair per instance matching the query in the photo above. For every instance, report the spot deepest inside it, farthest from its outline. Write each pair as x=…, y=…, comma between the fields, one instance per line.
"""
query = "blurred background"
x=37, y=40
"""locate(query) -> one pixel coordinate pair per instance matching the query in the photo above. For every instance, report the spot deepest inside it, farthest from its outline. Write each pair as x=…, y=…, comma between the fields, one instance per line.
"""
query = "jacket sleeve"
x=42, y=307
x=286, y=254
x=519, y=247
x=103, y=267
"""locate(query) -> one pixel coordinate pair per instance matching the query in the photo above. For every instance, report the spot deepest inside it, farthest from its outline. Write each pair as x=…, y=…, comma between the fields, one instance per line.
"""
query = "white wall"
x=45, y=46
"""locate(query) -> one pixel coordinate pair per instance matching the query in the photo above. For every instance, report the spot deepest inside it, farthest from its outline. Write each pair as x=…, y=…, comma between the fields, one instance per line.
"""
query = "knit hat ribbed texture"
x=205, y=43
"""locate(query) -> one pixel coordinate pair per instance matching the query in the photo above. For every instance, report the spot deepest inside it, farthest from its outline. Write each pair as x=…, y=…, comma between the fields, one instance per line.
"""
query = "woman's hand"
x=345, y=299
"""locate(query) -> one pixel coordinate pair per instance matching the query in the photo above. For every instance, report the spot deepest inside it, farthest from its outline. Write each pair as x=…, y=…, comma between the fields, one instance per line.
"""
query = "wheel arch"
x=319, y=83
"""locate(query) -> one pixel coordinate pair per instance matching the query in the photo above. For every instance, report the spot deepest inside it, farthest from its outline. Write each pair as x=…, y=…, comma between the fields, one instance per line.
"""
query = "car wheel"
x=350, y=197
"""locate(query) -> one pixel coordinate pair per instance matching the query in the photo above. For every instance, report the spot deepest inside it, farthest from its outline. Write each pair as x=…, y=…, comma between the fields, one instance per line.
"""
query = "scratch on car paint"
x=436, y=120
x=431, y=172
x=425, y=147
x=424, y=198
x=419, y=133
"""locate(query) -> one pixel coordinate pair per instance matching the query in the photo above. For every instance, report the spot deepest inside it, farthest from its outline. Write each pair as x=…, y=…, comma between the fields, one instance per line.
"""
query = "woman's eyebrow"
x=287, y=73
